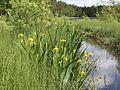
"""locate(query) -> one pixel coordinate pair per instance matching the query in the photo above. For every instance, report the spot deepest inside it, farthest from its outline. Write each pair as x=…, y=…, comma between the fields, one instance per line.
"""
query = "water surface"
x=80, y=19
x=108, y=66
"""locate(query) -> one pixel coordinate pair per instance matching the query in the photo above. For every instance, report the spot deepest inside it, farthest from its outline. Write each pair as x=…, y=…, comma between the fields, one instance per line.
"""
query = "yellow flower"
x=60, y=62
x=31, y=39
x=79, y=61
x=31, y=43
x=20, y=35
x=85, y=55
x=63, y=40
x=74, y=50
x=65, y=58
x=42, y=34
x=55, y=48
x=85, y=51
x=85, y=58
x=90, y=54
x=83, y=73
x=35, y=33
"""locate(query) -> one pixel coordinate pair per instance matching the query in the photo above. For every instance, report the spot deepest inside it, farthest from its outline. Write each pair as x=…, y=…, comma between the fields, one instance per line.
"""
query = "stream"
x=107, y=73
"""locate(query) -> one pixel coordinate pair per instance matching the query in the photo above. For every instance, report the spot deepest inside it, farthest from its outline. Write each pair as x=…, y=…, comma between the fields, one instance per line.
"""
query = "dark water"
x=107, y=74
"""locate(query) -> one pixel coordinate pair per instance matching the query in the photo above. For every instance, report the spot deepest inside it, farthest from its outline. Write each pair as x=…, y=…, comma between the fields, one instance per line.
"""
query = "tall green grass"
x=40, y=65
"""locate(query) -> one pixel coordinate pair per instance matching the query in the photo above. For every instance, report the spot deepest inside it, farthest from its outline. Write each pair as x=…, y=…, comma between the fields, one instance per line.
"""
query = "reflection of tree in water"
x=105, y=81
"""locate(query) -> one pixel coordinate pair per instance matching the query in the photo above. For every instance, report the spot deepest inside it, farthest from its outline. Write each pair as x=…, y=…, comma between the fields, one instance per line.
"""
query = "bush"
x=28, y=16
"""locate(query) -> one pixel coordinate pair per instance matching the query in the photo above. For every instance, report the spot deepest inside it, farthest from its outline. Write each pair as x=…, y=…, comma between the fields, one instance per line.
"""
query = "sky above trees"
x=86, y=2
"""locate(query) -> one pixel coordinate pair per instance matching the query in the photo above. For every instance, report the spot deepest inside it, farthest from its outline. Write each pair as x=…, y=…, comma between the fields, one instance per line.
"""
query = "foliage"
x=28, y=15
x=110, y=13
x=4, y=4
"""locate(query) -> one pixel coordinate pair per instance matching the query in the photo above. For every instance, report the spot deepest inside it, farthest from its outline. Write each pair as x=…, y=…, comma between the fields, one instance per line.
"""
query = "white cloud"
x=85, y=2
x=81, y=2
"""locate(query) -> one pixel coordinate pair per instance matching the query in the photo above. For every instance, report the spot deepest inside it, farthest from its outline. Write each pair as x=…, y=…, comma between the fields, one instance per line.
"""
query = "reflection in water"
x=107, y=73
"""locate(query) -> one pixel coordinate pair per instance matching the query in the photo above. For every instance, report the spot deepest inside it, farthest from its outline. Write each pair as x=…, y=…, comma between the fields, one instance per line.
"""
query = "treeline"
x=104, y=12
x=64, y=9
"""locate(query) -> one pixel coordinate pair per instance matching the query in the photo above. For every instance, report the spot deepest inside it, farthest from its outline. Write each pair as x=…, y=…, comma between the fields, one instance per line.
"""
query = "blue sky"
x=84, y=2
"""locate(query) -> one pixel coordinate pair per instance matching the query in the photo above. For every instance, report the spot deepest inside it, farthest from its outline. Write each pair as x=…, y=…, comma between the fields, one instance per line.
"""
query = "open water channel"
x=107, y=73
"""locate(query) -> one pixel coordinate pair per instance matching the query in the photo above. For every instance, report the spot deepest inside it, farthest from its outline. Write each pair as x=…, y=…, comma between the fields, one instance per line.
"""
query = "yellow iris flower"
x=63, y=40
x=65, y=58
x=55, y=48
x=31, y=43
x=83, y=73
x=90, y=54
x=74, y=50
x=31, y=39
x=79, y=61
x=20, y=35
x=60, y=62
x=42, y=34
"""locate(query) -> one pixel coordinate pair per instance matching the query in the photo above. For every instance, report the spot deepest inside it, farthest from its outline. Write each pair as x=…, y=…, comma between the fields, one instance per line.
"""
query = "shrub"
x=28, y=15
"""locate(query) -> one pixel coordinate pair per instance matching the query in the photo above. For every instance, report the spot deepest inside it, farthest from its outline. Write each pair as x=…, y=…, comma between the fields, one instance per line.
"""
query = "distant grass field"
x=107, y=33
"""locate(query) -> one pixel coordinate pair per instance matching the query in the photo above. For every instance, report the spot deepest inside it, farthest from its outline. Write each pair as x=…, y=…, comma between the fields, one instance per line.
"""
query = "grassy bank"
x=107, y=33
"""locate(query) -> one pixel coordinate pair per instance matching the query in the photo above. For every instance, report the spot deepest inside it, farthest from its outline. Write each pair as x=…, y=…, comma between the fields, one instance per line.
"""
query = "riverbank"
x=107, y=33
